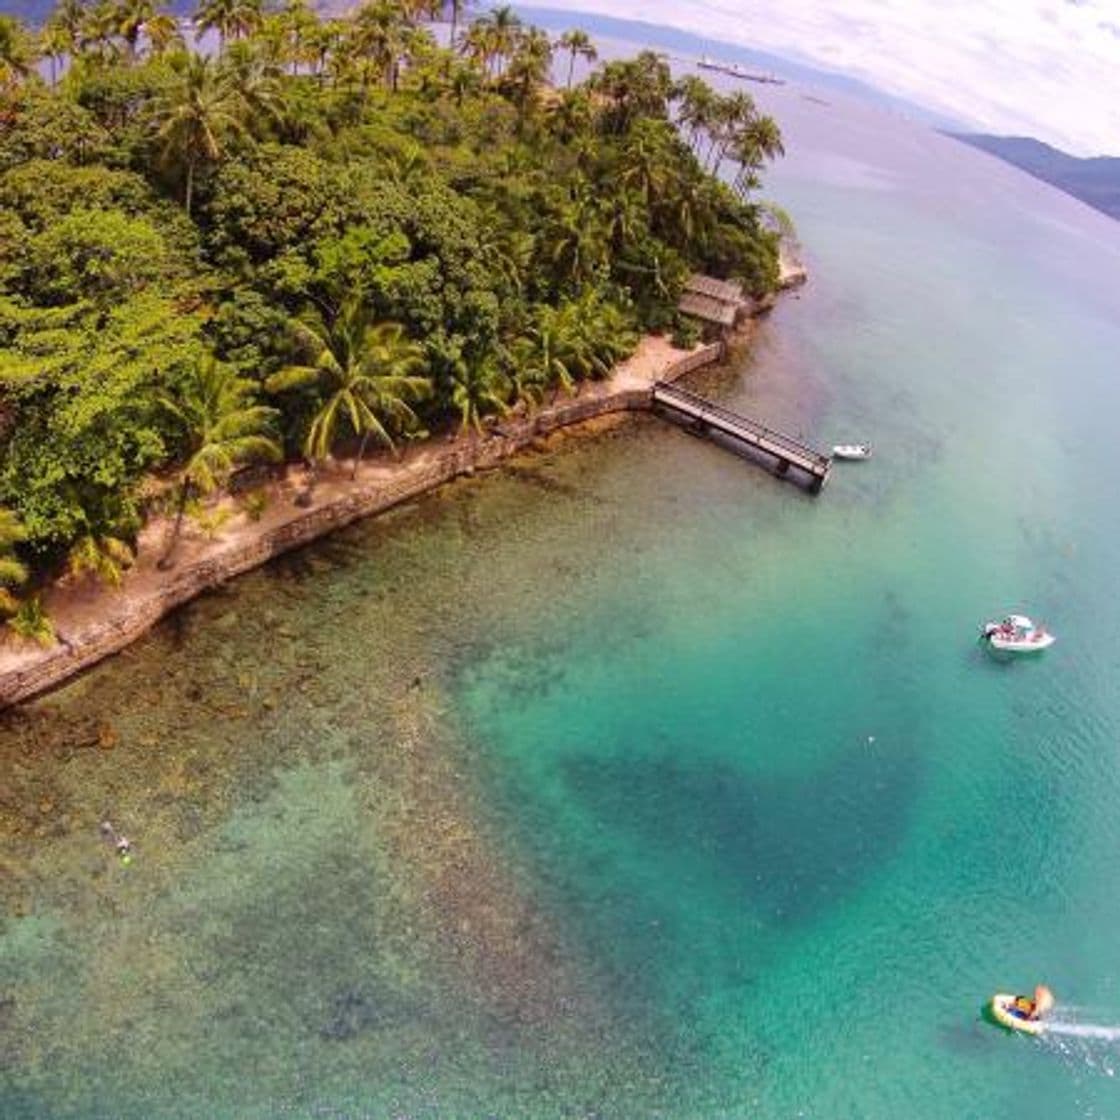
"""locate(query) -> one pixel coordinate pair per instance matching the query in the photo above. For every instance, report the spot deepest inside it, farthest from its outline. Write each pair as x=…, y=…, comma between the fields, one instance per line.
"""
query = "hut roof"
x=714, y=301
x=709, y=309
x=723, y=290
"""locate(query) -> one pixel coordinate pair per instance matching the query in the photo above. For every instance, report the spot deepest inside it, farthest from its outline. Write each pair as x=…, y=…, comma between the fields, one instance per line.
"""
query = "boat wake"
x=1091, y=1046
x=1084, y=1030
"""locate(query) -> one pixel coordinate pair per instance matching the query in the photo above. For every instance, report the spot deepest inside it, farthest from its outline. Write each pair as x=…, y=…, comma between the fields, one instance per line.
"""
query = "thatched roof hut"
x=713, y=301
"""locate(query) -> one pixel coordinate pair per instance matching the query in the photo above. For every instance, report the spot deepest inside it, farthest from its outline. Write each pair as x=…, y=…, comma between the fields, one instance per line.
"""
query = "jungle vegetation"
x=299, y=236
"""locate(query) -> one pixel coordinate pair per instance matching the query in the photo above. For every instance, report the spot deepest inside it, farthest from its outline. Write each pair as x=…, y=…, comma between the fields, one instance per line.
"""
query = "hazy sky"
x=1047, y=68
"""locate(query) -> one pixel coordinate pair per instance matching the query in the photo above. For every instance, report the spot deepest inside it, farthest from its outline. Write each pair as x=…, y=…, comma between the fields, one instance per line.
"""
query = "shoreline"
x=93, y=622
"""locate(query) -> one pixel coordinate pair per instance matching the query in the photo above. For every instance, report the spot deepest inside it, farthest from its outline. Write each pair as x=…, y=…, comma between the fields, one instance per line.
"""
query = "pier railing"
x=704, y=416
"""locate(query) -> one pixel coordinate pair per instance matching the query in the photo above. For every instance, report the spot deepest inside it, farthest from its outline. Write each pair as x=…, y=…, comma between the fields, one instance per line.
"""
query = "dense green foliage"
x=367, y=235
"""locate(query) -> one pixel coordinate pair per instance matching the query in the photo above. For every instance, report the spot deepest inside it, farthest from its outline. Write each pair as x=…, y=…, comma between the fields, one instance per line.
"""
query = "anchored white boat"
x=852, y=451
x=1017, y=634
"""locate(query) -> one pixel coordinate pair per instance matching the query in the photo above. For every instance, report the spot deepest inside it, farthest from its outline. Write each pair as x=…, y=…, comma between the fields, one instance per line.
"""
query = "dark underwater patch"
x=785, y=847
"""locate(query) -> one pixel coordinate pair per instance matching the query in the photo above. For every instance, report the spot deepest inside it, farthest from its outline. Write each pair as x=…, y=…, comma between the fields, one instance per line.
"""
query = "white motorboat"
x=1017, y=634
x=852, y=451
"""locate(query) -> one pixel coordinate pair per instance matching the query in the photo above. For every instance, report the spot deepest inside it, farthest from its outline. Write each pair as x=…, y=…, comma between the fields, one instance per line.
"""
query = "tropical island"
x=266, y=237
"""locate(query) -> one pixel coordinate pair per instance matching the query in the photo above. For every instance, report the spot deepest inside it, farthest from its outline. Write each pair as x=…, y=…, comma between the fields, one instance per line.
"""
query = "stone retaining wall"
x=130, y=616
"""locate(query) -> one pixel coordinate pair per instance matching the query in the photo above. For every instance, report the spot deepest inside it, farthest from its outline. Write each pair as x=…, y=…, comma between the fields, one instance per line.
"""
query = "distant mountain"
x=1095, y=181
x=35, y=12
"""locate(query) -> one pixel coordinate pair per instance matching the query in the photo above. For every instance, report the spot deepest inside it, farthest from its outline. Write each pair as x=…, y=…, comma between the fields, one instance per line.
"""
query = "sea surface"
x=630, y=781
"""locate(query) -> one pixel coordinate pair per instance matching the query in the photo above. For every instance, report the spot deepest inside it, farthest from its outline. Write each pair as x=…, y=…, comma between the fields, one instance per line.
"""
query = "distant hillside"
x=1095, y=181
x=35, y=12
x=31, y=11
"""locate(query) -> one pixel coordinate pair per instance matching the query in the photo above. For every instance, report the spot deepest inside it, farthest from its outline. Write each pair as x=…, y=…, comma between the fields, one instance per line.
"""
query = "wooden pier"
x=705, y=418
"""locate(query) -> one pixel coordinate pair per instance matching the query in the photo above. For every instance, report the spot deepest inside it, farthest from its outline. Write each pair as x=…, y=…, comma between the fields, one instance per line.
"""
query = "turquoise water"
x=630, y=781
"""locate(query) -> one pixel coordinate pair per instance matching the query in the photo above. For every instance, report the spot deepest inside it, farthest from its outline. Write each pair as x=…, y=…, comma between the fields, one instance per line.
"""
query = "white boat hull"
x=1017, y=634
x=1035, y=644
x=852, y=451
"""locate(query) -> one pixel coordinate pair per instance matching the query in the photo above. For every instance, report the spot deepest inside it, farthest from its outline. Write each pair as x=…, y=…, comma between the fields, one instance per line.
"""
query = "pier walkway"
x=705, y=418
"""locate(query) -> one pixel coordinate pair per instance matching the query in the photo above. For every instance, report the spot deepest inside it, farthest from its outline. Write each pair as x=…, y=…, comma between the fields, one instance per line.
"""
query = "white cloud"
x=1047, y=68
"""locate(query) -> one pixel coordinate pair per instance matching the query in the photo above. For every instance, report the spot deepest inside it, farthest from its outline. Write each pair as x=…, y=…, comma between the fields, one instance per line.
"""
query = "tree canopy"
x=429, y=233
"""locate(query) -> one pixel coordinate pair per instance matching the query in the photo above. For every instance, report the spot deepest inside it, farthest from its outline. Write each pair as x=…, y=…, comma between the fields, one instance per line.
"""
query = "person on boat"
x=1022, y=1007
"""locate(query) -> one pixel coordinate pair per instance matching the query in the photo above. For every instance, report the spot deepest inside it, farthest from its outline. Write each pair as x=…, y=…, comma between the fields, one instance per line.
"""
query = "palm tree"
x=232, y=19
x=198, y=114
x=625, y=218
x=478, y=387
x=576, y=241
x=647, y=159
x=571, y=114
x=420, y=52
x=592, y=334
x=492, y=37
x=697, y=110
x=633, y=89
x=576, y=43
x=463, y=80
x=370, y=371
x=17, y=52
x=70, y=17
x=131, y=17
x=544, y=355
x=377, y=37
x=299, y=23
x=103, y=557
x=416, y=11
x=505, y=251
x=98, y=35
x=55, y=43
x=527, y=69
x=252, y=82
x=163, y=34
x=322, y=40
x=31, y=622
x=689, y=211
x=758, y=141
x=221, y=426
x=457, y=8
x=60, y=34
x=477, y=45
x=12, y=571
x=732, y=117
x=506, y=28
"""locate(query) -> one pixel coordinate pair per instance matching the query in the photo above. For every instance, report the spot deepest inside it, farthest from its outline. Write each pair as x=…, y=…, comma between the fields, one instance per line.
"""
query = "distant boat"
x=737, y=71
x=852, y=451
x=1016, y=634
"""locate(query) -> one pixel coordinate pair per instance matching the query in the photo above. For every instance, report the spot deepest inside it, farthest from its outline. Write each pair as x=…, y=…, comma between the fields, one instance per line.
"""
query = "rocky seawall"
x=93, y=623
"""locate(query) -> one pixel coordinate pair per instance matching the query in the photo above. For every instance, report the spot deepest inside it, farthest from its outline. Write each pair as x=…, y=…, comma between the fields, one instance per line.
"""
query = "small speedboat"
x=1020, y=1013
x=852, y=451
x=1016, y=634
